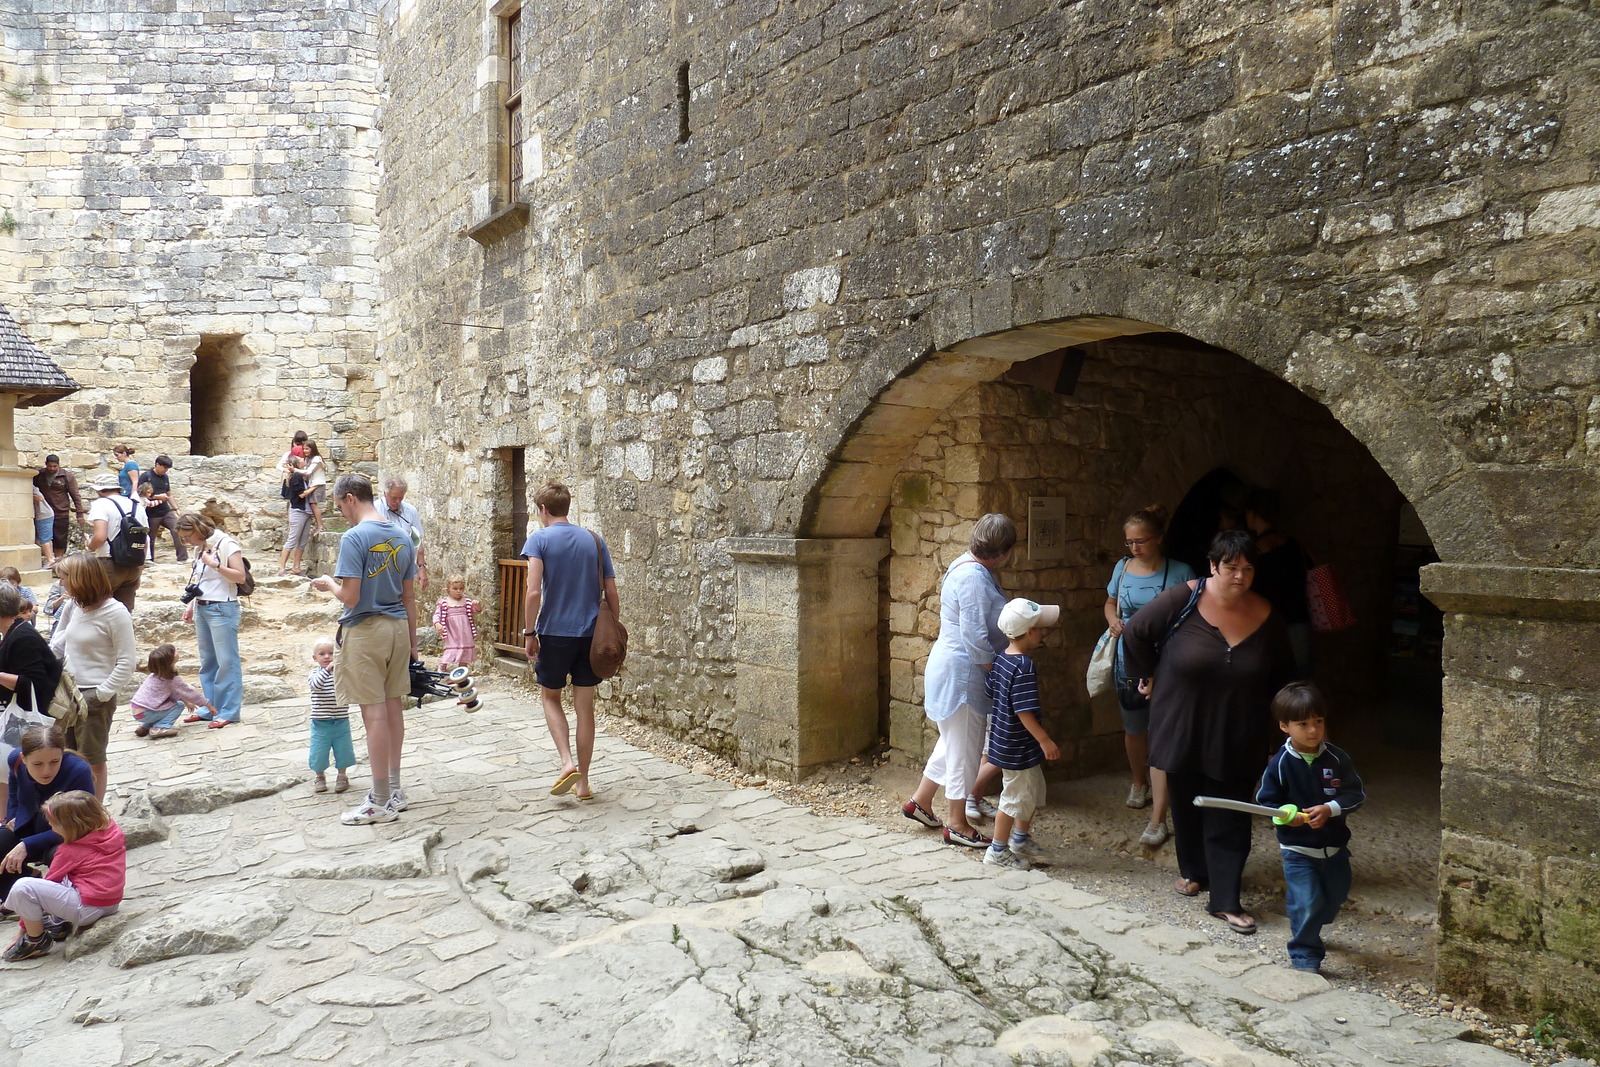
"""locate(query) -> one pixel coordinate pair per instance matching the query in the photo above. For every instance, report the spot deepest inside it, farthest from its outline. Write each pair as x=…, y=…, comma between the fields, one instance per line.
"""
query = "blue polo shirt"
x=570, y=596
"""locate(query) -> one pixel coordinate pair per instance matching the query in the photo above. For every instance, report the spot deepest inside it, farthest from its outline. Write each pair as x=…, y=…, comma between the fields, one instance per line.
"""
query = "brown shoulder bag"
x=609, y=648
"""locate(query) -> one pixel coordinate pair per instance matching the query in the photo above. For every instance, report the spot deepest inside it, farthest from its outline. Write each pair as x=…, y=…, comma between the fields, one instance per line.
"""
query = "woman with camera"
x=212, y=604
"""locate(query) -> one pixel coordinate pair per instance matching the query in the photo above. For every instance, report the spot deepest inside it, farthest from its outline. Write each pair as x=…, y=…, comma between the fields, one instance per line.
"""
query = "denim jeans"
x=1314, y=890
x=158, y=718
x=216, y=631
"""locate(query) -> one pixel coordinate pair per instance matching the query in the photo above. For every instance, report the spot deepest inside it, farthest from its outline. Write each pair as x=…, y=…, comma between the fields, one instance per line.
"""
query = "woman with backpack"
x=212, y=604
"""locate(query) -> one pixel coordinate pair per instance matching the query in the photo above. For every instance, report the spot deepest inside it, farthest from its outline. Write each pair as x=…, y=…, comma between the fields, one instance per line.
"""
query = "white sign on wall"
x=1047, y=527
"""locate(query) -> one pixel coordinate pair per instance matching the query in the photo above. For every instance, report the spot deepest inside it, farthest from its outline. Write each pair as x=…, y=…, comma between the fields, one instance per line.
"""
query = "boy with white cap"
x=1018, y=743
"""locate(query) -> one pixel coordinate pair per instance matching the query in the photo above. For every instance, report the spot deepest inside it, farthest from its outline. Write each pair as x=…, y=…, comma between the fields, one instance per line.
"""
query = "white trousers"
x=34, y=898
x=959, y=752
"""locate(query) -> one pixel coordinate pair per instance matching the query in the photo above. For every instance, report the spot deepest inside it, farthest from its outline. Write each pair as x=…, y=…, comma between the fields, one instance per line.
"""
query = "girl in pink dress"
x=453, y=618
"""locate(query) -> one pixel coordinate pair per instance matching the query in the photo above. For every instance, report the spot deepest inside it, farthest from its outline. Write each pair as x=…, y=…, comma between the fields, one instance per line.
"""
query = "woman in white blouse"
x=94, y=638
x=214, y=610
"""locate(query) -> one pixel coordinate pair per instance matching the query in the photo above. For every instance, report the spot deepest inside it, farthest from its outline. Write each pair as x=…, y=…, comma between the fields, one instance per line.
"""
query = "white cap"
x=107, y=484
x=1020, y=616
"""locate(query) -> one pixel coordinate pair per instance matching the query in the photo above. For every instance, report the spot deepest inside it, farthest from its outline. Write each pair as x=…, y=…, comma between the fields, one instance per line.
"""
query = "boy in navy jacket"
x=1320, y=780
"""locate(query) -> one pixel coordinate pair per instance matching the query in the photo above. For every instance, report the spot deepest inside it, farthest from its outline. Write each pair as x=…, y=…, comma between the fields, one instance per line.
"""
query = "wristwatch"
x=530, y=633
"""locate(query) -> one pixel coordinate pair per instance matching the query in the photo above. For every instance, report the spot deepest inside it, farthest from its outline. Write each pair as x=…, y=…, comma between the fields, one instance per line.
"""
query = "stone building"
x=187, y=223
x=792, y=292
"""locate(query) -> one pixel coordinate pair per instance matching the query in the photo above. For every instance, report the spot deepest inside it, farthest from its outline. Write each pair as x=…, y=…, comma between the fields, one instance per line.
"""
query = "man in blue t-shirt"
x=377, y=639
x=565, y=568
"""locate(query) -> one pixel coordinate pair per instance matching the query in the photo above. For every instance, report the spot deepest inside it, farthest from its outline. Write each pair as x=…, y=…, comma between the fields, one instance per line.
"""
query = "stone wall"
x=198, y=178
x=1392, y=207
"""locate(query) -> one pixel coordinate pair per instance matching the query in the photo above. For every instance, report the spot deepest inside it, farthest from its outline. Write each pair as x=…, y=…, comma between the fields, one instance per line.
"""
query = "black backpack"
x=129, y=546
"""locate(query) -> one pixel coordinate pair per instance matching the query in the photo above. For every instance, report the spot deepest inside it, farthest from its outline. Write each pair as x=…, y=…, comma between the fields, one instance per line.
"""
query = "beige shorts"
x=1023, y=793
x=373, y=661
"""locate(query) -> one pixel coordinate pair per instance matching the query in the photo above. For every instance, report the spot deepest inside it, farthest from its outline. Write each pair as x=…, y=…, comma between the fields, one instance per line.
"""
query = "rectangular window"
x=514, y=120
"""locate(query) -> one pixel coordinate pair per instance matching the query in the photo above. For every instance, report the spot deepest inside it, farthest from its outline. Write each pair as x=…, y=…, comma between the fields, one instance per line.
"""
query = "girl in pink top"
x=453, y=619
x=164, y=695
x=85, y=883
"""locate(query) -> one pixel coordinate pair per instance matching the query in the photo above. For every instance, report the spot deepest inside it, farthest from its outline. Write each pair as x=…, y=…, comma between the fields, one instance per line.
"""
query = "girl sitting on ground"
x=164, y=695
x=41, y=768
x=86, y=880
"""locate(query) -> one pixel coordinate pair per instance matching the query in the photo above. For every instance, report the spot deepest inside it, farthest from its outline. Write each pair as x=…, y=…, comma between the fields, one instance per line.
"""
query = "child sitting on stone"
x=85, y=883
x=1322, y=783
x=1018, y=743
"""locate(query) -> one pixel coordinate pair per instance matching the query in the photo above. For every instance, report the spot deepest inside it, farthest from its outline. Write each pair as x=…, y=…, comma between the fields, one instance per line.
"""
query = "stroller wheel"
x=459, y=676
x=473, y=705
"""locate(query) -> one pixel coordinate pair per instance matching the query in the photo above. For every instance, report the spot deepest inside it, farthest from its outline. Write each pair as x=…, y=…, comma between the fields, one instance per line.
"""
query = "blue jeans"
x=216, y=631
x=158, y=718
x=331, y=736
x=1314, y=890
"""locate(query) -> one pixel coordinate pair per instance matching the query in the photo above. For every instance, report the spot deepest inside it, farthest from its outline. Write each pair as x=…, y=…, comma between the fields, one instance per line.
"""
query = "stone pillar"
x=16, y=497
x=806, y=645
x=1519, y=865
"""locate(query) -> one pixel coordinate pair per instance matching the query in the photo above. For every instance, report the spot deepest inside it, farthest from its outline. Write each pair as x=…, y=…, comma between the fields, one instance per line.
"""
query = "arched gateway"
x=821, y=615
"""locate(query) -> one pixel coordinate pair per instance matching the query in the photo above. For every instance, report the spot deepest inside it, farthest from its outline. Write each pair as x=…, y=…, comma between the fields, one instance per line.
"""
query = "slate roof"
x=26, y=370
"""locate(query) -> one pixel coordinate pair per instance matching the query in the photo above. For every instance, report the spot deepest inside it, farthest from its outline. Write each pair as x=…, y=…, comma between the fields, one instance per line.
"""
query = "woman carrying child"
x=39, y=770
x=295, y=490
x=86, y=880
x=452, y=617
x=164, y=695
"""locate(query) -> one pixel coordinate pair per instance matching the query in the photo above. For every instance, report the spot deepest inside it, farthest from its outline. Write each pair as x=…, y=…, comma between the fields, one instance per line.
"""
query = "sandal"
x=197, y=718
x=217, y=724
x=1239, y=923
x=584, y=796
x=565, y=783
x=1187, y=886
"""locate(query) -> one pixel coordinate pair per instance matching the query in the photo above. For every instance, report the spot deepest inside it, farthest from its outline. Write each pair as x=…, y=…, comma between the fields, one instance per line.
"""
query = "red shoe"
x=197, y=718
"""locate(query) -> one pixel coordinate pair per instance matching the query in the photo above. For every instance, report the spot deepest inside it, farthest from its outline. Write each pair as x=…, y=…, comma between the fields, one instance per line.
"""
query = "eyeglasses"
x=1137, y=541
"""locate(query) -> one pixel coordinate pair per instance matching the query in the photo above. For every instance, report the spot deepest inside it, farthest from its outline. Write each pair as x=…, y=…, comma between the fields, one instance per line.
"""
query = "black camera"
x=190, y=591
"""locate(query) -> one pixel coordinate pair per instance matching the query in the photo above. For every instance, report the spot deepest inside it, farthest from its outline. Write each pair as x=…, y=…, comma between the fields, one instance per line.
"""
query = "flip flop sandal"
x=1188, y=887
x=1239, y=924
x=565, y=783
x=584, y=796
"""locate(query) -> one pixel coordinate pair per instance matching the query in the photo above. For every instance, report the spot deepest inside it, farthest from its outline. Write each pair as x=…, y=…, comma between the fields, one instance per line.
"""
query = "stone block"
x=1488, y=889
x=1571, y=907
x=1569, y=737
x=1488, y=727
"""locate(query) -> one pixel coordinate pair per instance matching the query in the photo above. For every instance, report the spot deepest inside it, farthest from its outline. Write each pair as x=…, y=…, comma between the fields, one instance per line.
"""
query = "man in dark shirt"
x=60, y=491
x=159, y=508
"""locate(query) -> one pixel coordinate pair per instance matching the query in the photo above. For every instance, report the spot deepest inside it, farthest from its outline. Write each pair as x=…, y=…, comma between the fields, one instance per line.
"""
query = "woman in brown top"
x=1212, y=682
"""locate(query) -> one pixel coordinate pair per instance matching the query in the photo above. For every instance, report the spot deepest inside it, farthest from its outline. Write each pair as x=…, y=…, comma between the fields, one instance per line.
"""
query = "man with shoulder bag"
x=574, y=616
x=119, y=529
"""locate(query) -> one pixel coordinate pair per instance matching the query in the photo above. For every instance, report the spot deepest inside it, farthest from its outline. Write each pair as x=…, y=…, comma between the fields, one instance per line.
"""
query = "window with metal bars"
x=513, y=105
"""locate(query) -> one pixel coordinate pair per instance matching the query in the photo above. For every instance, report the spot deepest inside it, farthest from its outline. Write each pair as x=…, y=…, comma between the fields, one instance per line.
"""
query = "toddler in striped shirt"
x=330, y=723
x=1018, y=743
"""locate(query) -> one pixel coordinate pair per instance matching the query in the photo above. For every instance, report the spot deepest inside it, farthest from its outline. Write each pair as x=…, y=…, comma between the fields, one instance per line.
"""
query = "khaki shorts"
x=373, y=661
x=1023, y=793
x=88, y=738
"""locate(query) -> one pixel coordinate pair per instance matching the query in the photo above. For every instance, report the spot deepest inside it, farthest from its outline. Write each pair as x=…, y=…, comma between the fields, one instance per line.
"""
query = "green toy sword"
x=1281, y=816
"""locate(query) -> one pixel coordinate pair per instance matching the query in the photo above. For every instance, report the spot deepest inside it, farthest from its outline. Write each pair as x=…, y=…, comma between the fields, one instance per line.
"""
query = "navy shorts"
x=561, y=656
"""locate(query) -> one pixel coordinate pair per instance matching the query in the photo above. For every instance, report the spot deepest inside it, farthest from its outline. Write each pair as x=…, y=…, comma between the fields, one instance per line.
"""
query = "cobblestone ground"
x=673, y=921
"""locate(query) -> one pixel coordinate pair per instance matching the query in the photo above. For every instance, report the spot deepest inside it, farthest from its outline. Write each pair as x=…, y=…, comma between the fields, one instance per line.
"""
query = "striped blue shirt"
x=1013, y=686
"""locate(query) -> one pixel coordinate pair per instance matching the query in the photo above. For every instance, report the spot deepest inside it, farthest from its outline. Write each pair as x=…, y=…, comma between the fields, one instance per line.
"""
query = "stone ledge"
x=805, y=549
x=502, y=223
x=1527, y=592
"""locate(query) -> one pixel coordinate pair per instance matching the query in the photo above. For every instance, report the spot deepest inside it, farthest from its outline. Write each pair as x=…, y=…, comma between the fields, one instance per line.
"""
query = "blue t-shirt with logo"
x=570, y=598
x=380, y=554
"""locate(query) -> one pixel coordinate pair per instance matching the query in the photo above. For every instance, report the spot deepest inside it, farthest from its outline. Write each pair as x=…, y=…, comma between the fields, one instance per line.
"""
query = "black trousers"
x=9, y=840
x=1212, y=844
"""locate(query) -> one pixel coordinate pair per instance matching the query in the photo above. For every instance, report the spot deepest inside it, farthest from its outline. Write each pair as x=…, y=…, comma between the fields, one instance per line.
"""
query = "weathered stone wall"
x=178, y=173
x=1391, y=206
x=1147, y=419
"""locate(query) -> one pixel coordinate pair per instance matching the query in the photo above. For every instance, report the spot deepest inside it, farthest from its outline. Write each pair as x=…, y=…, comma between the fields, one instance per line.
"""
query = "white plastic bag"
x=18, y=719
x=1101, y=664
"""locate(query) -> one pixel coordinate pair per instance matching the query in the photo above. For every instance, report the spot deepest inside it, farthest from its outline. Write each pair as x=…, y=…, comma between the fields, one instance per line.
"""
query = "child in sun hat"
x=1018, y=743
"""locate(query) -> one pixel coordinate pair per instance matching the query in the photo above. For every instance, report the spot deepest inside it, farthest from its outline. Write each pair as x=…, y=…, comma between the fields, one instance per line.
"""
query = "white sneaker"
x=1030, y=851
x=369, y=812
x=1007, y=859
x=980, y=808
x=397, y=800
x=1138, y=796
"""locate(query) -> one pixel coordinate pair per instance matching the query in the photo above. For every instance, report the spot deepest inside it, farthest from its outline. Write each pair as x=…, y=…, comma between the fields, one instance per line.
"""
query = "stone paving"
x=674, y=921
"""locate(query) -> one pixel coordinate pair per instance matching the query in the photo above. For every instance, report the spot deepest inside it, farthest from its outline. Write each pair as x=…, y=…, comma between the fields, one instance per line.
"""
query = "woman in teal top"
x=1139, y=578
x=127, y=469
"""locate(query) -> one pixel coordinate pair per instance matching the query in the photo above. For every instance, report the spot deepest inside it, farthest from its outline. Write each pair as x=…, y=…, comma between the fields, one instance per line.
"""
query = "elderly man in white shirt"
x=394, y=509
x=970, y=600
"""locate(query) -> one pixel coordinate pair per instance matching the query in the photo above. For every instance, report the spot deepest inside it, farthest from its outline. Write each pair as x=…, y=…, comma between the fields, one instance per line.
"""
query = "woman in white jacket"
x=94, y=638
